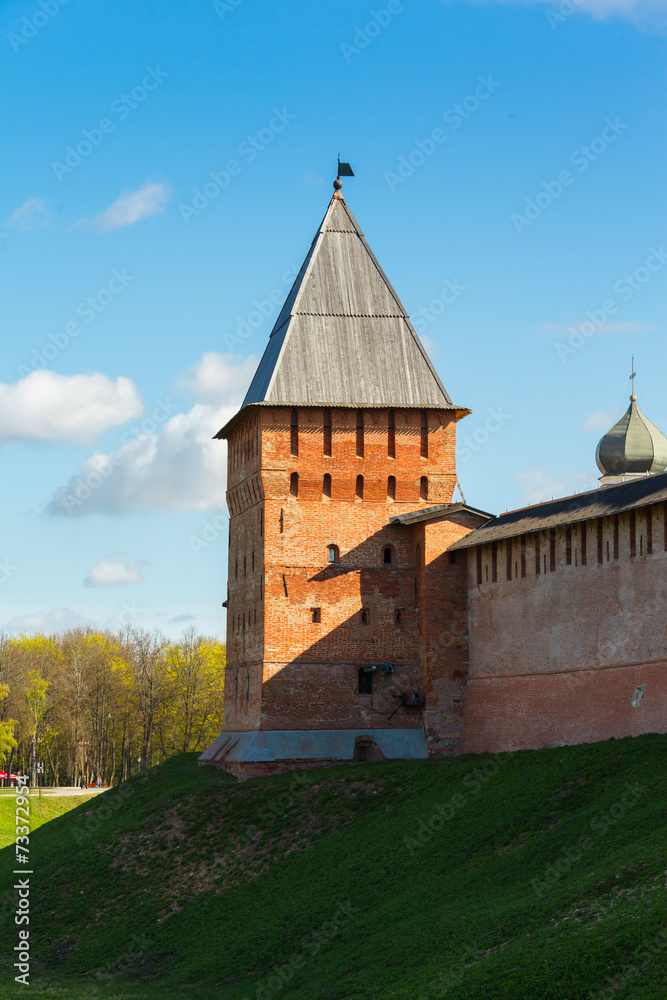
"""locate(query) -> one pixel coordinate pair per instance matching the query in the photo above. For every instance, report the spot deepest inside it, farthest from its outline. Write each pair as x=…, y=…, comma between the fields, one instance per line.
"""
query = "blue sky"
x=165, y=166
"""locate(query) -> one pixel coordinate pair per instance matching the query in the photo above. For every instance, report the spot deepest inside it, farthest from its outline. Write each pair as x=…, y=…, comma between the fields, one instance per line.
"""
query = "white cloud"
x=177, y=467
x=32, y=214
x=218, y=377
x=129, y=208
x=540, y=484
x=650, y=15
x=112, y=571
x=55, y=620
x=601, y=420
x=45, y=406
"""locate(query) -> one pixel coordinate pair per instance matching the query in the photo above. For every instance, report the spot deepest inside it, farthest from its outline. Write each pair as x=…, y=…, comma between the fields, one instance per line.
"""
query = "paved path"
x=63, y=790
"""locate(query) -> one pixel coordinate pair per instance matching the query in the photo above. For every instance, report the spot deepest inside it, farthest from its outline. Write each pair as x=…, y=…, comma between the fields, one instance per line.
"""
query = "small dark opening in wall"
x=452, y=557
x=391, y=488
x=364, y=616
x=423, y=488
x=316, y=614
x=360, y=433
x=359, y=490
x=294, y=433
x=327, y=432
x=294, y=484
x=387, y=556
x=326, y=485
x=391, y=434
x=365, y=680
x=399, y=616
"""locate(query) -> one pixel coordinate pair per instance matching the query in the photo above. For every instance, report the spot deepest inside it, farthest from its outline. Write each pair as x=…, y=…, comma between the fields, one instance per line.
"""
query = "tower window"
x=245, y=566
x=316, y=615
x=326, y=485
x=365, y=681
x=294, y=484
x=294, y=433
x=423, y=451
x=365, y=616
x=391, y=488
x=391, y=434
x=399, y=616
x=236, y=568
x=359, y=491
x=360, y=433
x=327, y=433
x=387, y=555
x=253, y=561
x=423, y=488
x=333, y=554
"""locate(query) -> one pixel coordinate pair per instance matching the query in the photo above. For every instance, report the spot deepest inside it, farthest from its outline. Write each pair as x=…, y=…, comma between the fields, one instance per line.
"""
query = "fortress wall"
x=557, y=656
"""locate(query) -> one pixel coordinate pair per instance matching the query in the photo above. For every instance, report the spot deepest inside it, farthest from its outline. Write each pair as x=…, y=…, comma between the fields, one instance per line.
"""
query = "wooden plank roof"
x=343, y=338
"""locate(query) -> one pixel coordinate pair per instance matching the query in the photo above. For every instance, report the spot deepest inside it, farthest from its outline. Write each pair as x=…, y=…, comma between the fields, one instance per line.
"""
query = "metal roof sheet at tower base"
x=343, y=338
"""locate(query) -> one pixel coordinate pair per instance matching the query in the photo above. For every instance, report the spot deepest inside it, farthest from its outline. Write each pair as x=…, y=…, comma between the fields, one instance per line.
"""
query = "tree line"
x=84, y=703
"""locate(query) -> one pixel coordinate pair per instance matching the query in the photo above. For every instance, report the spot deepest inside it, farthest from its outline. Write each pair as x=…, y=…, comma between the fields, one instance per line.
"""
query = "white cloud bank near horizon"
x=112, y=571
x=45, y=406
x=129, y=208
x=175, y=467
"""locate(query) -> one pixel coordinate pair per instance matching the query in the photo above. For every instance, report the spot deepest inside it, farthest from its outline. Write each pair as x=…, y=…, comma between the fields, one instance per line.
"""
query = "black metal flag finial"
x=344, y=170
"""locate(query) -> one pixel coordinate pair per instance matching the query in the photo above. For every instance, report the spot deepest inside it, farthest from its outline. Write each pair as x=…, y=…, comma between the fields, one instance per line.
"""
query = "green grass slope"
x=41, y=811
x=529, y=876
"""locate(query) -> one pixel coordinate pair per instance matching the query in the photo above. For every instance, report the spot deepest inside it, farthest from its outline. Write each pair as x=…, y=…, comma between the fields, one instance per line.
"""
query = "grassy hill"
x=42, y=811
x=528, y=876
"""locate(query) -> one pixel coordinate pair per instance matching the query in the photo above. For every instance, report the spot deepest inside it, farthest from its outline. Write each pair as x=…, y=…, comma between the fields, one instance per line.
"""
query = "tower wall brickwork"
x=301, y=627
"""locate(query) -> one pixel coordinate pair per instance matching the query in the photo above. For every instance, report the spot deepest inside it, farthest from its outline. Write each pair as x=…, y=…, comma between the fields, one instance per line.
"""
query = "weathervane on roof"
x=344, y=170
x=633, y=376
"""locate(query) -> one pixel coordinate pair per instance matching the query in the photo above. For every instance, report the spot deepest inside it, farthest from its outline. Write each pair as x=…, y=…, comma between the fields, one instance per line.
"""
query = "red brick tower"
x=346, y=425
